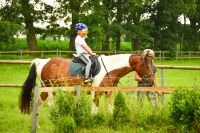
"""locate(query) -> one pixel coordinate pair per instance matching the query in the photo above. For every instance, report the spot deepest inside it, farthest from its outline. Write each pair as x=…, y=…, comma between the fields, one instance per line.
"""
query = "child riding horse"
x=55, y=71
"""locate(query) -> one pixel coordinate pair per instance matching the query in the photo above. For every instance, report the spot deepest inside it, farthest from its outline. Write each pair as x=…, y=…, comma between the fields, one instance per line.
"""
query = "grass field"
x=145, y=119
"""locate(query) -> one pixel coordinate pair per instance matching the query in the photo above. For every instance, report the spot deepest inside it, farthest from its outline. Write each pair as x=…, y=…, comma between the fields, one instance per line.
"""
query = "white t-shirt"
x=78, y=42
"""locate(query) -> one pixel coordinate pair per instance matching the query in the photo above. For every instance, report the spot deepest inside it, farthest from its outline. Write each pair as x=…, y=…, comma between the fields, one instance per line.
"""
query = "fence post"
x=138, y=52
x=42, y=53
x=35, y=109
x=162, y=84
x=189, y=55
x=21, y=53
x=163, y=56
x=57, y=52
x=78, y=90
x=160, y=55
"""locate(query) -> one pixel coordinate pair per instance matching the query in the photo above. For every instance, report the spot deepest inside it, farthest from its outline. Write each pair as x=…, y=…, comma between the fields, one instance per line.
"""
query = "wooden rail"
x=14, y=62
x=10, y=85
x=167, y=90
x=178, y=67
x=158, y=66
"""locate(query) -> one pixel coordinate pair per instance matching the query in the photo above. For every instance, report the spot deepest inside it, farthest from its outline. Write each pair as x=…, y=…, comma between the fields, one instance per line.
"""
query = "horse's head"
x=144, y=65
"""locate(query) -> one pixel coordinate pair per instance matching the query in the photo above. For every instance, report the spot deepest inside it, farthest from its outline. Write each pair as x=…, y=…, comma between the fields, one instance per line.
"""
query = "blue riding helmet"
x=81, y=26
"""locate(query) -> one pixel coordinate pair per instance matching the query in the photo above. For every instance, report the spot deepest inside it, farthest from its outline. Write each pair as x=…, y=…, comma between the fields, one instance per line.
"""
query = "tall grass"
x=21, y=44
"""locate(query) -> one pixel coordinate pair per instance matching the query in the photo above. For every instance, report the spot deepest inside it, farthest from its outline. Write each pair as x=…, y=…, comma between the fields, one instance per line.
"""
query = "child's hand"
x=94, y=54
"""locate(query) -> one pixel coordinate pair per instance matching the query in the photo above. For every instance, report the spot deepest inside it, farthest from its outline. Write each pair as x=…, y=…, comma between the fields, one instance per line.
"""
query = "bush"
x=98, y=119
x=82, y=111
x=121, y=113
x=66, y=124
x=185, y=108
x=76, y=109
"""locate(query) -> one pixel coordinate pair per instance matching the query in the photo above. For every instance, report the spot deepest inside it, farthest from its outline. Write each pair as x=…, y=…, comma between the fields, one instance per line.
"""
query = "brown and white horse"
x=56, y=71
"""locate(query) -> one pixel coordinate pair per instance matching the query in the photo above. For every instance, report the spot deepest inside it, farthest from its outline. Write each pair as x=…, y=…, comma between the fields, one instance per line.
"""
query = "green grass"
x=145, y=119
x=12, y=121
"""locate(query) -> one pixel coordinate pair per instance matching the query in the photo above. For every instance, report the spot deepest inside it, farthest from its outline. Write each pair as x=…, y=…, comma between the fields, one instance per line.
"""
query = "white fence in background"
x=160, y=55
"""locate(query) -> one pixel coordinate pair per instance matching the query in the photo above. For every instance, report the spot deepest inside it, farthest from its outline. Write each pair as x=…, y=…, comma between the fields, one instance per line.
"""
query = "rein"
x=107, y=70
x=104, y=67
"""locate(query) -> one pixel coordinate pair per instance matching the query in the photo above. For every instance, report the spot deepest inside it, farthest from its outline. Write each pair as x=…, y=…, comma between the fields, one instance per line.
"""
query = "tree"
x=24, y=12
x=8, y=30
x=164, y=16
x=28, y=14
x=192, y=35
x=137, y=27
x=99, y=23
x=71, y=11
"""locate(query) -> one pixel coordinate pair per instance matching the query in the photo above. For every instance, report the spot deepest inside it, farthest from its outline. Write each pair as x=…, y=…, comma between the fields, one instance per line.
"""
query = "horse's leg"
x=109, y=99
x=153, y=98
x=140, y=97
x=41, y=99
x=95, y=103
x=148, y=96
x=51, y=99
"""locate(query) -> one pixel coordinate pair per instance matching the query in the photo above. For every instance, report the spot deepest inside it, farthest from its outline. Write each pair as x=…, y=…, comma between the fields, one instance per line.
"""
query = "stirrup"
x=75, y=55
x=88, y=80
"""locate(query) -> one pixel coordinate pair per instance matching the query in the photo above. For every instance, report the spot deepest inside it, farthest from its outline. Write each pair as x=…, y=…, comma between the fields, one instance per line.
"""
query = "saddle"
x=77, y=66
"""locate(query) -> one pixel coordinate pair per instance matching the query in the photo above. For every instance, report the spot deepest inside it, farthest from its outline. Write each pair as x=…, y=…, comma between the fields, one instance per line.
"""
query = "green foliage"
x=98, y=119
x=185, y=108
x=8, y=30
x=64, y=105
x=75, y=108
x=121, y=113
x=82, y=111
x=48, y=45
x=150, y=23
x=66, y=124
x=53, y=44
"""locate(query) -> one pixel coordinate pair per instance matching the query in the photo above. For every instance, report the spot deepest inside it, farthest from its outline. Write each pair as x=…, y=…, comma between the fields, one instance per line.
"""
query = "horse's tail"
x=26, y=91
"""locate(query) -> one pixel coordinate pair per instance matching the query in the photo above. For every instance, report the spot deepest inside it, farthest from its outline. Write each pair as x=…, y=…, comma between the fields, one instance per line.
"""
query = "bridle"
x=147, y=60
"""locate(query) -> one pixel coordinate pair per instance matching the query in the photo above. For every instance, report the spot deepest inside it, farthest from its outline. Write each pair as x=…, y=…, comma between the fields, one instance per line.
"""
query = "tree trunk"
x=73, y=33
x=135, y=44
x=118, y=36
x=31, y=38
x=71, y=46
x=28, y=19
x=105, y=44
x=193, y=41
x=118, y=20
x=183, y=33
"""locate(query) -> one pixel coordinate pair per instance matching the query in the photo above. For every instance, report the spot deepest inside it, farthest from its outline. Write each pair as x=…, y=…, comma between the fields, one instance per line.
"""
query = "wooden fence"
x=160, y=55
x=78, y=89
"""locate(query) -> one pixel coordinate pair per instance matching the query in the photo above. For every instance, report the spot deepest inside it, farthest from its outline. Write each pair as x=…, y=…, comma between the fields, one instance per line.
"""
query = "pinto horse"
x=55, y=71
